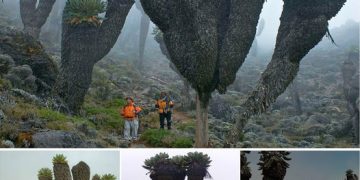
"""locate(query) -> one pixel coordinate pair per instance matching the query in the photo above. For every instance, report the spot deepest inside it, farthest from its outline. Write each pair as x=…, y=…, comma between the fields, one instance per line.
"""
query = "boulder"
x=6, y=63
x=30, y=98
x=88, y=131
x=56, y=139
x=25, y=50
x=21, y=77
x=7, y=144
x=328, y=139
x=318, y=119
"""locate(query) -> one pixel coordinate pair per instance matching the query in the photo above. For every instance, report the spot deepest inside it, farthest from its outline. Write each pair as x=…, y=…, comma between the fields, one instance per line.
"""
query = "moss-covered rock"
x=25, y=50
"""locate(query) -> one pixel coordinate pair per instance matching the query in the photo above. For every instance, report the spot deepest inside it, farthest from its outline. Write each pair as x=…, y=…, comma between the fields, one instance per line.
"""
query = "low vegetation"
x=164, y=138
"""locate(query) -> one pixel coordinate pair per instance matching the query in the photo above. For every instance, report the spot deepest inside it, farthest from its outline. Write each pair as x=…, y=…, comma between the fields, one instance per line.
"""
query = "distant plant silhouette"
x=245, y=170
x=194, y=165
x=274, y=164
x=350, y=175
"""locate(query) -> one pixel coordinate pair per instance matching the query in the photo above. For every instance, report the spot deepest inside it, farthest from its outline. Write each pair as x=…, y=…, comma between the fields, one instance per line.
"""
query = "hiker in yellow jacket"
x=165, y=105
x=130, y=114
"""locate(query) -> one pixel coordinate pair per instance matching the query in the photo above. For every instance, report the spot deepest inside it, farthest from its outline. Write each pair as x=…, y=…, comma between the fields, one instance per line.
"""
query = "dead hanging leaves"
x=94, y=20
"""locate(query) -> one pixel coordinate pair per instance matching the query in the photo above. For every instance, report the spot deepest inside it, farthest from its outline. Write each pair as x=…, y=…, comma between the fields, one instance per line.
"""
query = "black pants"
x=166, y=116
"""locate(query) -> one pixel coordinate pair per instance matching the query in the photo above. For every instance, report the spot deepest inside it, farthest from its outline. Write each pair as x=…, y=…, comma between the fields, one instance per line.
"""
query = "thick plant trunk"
x=195, y=178
x=62, y=172
x=202, y=124
x=270, y=178
x=83, y=46
x=164, y=178
x=144, y=30
x=186, y=94
x=207, y=41
x=303, y=25
x=186, y=89
x=81, y=171
x=34, y=16
x=77, y=64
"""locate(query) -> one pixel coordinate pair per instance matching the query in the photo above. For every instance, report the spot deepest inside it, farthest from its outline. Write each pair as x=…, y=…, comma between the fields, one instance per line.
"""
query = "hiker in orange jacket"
x=165, y=105
x=130, y=113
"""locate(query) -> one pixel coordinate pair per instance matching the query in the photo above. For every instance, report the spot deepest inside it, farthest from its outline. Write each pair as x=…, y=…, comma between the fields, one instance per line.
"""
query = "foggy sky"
x=272, y=10
x=225, y=163
x=24, y=165
x=271, y=13
x=319, y=165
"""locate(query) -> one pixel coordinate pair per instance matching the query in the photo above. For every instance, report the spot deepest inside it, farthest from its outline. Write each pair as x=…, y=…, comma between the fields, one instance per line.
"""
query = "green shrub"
x=9, y=131
x=107, y=114
x=45, y=172
x=84, y=11
x=59, y=121
x=21, y=111
x=164, y=138
x=59, y=159
x=108, y=177
x=4, y=84
x=155, y=137
x=187, y=127
x=182, y=142
x=51, y=115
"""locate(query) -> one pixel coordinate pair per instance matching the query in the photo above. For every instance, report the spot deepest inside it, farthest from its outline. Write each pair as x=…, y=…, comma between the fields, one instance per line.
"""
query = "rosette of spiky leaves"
x=59, y=159
x=198, y=158
x=180, y=163
x=153, y=162
x=349, y=172
x=245, y=169
x=274, y=163
x=45, y=173
x=96, y=177
x=84, y=11
x=108, y=177
x=198, y=163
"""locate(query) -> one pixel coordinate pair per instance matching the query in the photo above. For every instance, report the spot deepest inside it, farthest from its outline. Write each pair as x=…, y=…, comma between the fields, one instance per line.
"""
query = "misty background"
x=21, y=165
x=225, y=163
x=127, y=44
x=320, y=165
